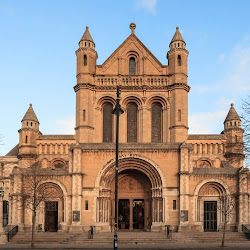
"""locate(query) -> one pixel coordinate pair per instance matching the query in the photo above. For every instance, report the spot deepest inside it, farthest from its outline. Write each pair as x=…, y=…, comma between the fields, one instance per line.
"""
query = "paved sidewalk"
x=231, y=246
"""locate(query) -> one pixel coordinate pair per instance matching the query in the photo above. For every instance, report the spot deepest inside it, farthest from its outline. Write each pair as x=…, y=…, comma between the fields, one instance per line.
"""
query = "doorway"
x=51, y=216
x=138, y=214
x=123, y=214
x=210, y=216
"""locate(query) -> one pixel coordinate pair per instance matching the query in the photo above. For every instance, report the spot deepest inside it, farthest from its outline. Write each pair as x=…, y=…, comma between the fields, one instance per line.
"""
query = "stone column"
x=184, y=187
x=130, y=214
x=76, y=224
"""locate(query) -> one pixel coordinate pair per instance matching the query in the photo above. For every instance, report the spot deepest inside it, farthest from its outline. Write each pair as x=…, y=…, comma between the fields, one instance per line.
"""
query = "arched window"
x=179, y=115
x=84, y=60
x=107, y=122
x=156, y=121
x=26, y=139
x=132, y=66
x=132, y=122
x=179, y=60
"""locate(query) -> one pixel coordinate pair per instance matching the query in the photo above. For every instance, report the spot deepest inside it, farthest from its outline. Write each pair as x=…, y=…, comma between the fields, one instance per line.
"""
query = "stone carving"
x=209, y=191
x=129, y=184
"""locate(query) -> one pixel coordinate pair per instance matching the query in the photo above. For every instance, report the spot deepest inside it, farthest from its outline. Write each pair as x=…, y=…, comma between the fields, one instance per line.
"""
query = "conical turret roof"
x=30, y=115
x=177, y=36
x=86, y=36
x=232, y=114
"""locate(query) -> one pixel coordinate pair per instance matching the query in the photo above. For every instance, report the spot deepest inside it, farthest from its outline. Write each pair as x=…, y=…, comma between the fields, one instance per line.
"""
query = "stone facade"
x=166, y=176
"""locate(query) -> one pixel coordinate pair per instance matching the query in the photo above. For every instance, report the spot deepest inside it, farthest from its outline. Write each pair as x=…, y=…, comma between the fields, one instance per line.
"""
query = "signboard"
x=76, y=215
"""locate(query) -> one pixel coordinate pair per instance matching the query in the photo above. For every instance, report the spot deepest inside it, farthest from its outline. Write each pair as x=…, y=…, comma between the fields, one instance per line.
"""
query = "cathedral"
x=166, y=175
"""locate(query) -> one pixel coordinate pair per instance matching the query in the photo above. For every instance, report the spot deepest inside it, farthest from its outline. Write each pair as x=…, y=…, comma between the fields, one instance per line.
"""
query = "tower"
x=28, y=135
x=86, y=57
x=177, y=72
x=234, y=137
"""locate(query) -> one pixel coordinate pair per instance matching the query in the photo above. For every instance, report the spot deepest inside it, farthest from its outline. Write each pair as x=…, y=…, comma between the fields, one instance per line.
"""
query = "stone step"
x=125, y=237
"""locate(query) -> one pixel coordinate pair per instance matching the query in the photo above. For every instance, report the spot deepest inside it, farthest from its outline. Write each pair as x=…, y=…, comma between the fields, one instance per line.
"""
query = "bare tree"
x=245, y=117
x=33, y=195
x=227, y=206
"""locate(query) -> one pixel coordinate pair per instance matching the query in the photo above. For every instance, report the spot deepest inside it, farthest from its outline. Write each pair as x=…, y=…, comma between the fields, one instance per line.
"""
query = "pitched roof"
x=177, y=36
x=86, y=36
x=132, y=35
x=232, y=114
x=30, y=115
x=14, y=151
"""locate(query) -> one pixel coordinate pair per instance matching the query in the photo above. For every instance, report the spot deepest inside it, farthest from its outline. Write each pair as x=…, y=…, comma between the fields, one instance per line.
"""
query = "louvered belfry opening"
x=132, y=66
x=107, y=122
x=156, y=118
x=132, y=122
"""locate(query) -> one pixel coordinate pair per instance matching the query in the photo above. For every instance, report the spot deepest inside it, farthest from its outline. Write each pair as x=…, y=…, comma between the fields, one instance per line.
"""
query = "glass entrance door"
x=138, y=214
x=123, y=214
x=210, y=216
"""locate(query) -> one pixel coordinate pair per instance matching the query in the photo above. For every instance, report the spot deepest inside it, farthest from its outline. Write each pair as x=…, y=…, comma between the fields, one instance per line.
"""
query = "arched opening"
x=132, y=66
x=51, y=211
x=210, y=205
x=140, y=202
x=134, y=200
x=107, y=122
x=132, y=111
x=156, y=121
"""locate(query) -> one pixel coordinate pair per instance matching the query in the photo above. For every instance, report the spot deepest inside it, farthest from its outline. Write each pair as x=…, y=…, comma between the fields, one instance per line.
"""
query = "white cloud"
x=207, y=123
x=64, y=126
x=149, y=5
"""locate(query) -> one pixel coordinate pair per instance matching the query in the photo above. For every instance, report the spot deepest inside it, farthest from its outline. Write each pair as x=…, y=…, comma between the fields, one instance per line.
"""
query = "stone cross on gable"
x=132, y=26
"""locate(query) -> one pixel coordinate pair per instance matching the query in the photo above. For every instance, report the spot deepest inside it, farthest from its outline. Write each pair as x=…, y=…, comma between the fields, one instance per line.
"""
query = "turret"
x=28, y=134
x=234, y=136
x=86, y=70
x=177, y=59
x=177, y=72
x=86, y=58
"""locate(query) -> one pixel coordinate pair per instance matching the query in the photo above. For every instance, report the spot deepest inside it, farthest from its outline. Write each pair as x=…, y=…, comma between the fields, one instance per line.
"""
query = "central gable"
x=118, y=62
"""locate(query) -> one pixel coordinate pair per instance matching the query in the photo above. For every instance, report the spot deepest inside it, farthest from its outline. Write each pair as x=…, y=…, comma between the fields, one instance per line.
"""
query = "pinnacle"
x=232, y=114
x=30, y=115
x=86, y=36
x=177, y=36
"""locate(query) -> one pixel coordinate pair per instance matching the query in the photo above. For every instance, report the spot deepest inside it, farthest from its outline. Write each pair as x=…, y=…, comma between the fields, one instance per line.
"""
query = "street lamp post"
x=3, y=238
x=117, y=111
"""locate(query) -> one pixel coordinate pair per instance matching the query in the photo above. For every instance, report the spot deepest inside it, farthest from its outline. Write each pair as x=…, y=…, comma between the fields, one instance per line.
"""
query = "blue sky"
x=38, y=63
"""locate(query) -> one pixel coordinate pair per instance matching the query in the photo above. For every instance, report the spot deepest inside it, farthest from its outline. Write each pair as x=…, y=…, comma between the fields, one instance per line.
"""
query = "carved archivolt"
x=212, y=189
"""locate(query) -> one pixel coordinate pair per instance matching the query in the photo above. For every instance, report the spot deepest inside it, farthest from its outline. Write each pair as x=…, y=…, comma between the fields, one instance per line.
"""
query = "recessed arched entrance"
x=134, y=200
x=140, y=201
x=52, y=207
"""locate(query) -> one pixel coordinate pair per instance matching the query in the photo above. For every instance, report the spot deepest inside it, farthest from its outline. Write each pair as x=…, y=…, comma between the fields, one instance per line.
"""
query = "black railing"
x=12, y=233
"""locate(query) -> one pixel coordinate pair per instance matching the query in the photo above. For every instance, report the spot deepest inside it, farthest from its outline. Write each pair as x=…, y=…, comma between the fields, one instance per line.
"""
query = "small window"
x=85, y=44
x=179, y=60
x=236, y=138
x=231, y=124
x=132, y=66
x=174, y=204
x=179, y=115
x=27, y=123
x=89, y=44
x=84, y=115
x=26, y=139
x=31, y=124
x=234, y=123
x=86, y=205
x=84, y=60
x=178, y=45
